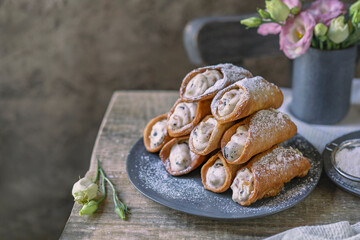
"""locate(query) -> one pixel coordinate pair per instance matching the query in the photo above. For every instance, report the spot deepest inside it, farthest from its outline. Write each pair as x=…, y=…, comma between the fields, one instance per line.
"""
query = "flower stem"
x=120, y=208
x=352, y=39
x=328, y=45
x=97, y=171
x=313, y=43
x=273, y=21
x=102, y=188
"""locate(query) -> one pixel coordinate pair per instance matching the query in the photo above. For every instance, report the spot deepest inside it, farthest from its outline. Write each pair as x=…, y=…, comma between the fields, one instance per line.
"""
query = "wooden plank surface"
x=123, y=124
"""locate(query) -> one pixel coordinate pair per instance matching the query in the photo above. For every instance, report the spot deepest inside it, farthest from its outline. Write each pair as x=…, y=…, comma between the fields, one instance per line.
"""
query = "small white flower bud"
x=278, y=10
x=84, y=190
x=338, y=30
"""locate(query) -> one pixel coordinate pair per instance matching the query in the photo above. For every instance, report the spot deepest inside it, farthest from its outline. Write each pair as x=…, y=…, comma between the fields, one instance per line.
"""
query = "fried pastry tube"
x=178, y=158
x=206, y=136
x=156, y=134
x=203, y=83
x=183, y=117
x=217, y=175
x=244, y=98
x=255, y=134
x=265, y=175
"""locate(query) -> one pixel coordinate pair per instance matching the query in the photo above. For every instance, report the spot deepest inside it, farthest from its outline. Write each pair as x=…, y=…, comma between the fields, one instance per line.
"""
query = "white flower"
x=277, y=9
x=338, y=30
x=84, y=190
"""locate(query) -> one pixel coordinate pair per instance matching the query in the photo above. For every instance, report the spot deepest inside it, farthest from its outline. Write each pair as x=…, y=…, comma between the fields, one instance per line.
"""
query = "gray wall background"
x=60, y=62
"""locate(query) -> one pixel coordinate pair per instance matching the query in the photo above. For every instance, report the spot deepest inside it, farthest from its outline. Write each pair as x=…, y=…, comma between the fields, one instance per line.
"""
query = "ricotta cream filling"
x=228, y=101
x=202, y=133
x=243, y=185
x=158, y=133
x=180, y=156
x=201, y=82
x=234, y=148
x=216, y=175
x=184, y=113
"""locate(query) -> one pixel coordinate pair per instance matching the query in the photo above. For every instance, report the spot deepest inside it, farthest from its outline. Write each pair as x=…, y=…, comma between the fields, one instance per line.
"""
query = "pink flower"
x=268, y=28
x=325, y=10
x=296, y=34
x=292, y=3
x=274, y=28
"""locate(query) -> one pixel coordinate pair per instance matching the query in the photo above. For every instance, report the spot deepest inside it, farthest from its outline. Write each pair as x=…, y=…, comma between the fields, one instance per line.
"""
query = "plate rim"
x=161, y=201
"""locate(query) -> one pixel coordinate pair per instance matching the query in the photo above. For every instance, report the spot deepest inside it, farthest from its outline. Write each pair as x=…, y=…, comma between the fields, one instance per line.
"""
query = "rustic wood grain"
x=122, y=126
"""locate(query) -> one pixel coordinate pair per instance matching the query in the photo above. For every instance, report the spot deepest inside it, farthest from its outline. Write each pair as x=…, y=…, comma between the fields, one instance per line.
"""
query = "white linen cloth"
x=340, y=230
x=319, y=136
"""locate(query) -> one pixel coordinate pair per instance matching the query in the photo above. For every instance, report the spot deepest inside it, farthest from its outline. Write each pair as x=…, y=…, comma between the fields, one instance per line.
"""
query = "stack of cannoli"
x=228, y=119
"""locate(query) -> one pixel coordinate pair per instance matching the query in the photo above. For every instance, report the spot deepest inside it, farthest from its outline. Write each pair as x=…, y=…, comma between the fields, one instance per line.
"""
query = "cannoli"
x=255, y=134
x=203, y=83
x=265, y=175
x=206, y=136
x=183, y=117
x=217, y=175
x=156, y=134
x=244, y=98
x=178, y=158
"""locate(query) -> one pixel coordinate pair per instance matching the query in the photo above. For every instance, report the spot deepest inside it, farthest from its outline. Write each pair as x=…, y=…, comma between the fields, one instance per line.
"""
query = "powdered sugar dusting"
x=179, y=188
x=257, y=88
x=231, y=74
x=186, y=193
x=278, y=162
x=256, y=83
x=265, y=123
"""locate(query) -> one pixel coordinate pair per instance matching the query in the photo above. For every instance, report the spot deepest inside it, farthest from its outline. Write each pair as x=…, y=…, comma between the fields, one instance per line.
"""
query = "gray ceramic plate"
x=186, y=193
x=341, y=181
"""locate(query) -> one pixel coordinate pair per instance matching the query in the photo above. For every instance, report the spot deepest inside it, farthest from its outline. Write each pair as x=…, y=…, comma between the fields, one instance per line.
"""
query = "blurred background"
x=60, y=62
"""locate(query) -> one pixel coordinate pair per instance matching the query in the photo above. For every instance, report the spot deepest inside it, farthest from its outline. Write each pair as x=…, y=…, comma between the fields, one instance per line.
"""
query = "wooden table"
x=122, y=126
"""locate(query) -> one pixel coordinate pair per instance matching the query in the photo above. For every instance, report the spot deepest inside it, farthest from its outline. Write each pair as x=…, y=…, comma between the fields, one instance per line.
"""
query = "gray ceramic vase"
x=321, y=84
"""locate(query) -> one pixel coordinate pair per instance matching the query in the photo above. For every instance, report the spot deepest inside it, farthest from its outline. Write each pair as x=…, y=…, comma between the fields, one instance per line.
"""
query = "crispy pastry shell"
x=265, y=129
x=147, y=132
x=215, y=138
x=258, y=94
x=202, y=110
x=271, y=172
x=230, y=73
x=230, y=172
x=165, y=153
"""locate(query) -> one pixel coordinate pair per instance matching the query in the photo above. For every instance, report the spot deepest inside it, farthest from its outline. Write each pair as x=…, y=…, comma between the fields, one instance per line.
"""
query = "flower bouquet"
x=324, y=25
x=322, y=75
